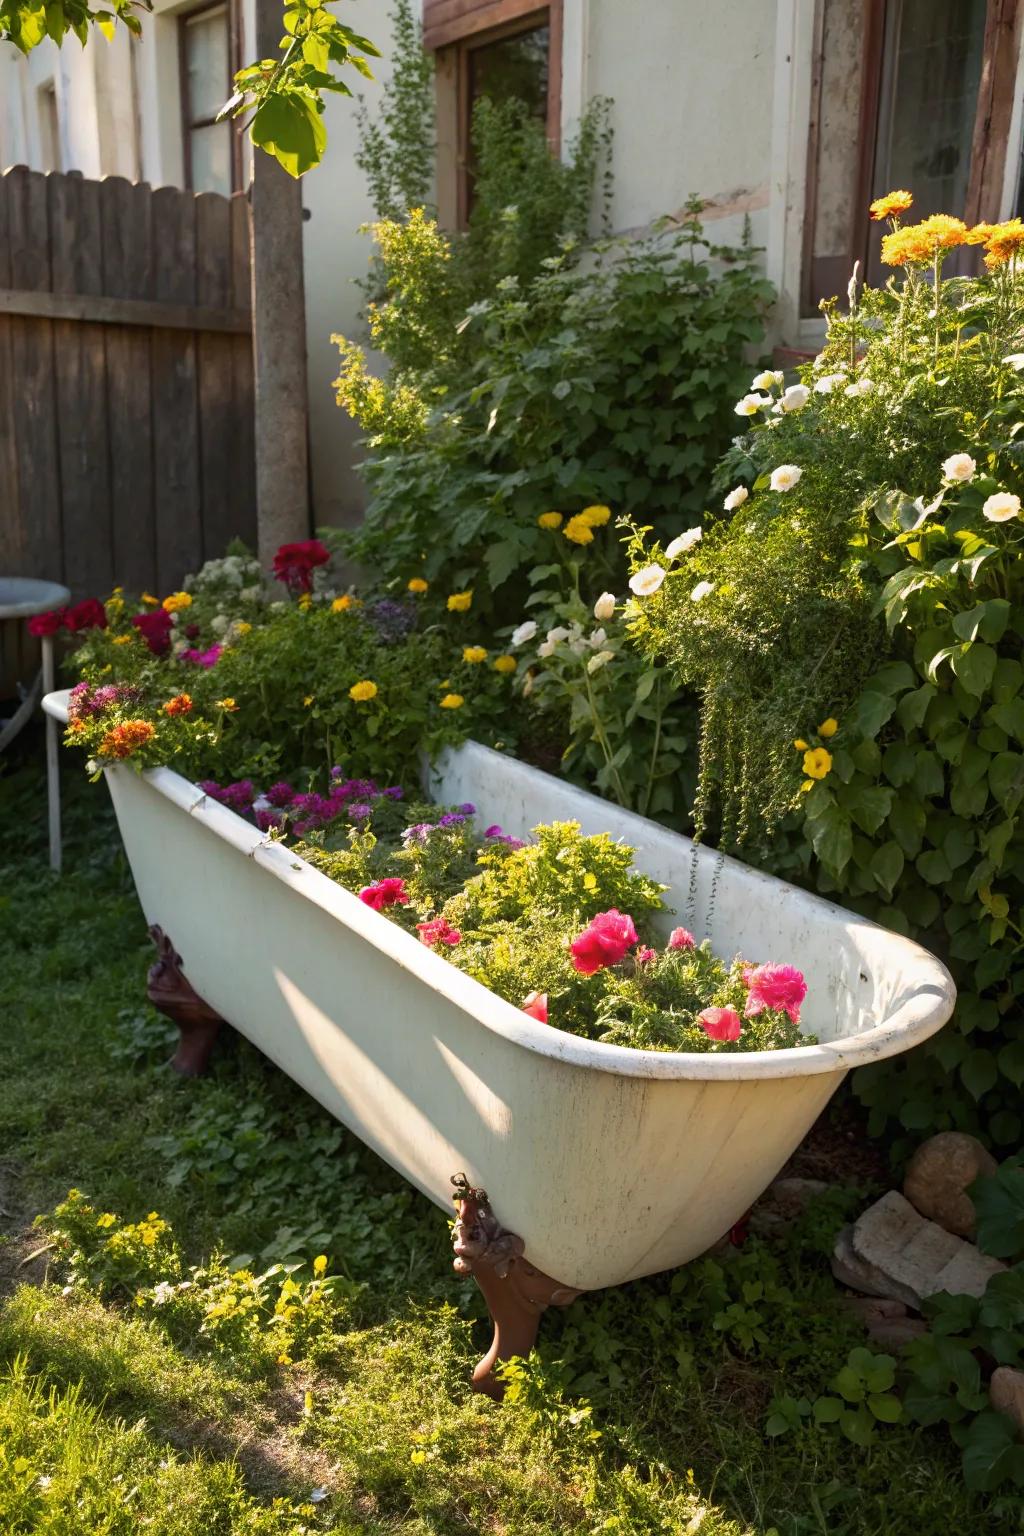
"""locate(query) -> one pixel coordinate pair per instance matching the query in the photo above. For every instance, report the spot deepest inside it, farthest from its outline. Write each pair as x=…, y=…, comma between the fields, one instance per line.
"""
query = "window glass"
x=513, y=66
x=210, y=153
x=207, y=65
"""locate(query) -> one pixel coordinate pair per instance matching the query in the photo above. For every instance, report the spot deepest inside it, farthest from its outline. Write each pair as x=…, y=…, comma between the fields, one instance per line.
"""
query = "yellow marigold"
x=363, y=691
x=417, y=584
x=828, y=727
x=181, y=704
x=452, y=701
x=108, y=1219
x=918, y=244
x=550, y=520
x=460, y=602
x=123, y=639
x=890, y=206
x=817, y=763
x=306, y=601
x=150, y=601
x=474, y=654
x=978, y=234
x=800, y=744
x=176, y=602
x=123, y=740
x=505, y=664
x=241, y=627
x=596, y=517
x=1004, y=242
x=578, y=530
x=228, y=704
x=342, y=604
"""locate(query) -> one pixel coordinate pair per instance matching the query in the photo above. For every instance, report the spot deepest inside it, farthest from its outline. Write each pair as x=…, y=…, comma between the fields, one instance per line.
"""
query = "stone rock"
x=871, y=1309
x=895, y=1333
x=783, y=1203
x=938, y=1175
x=891, y=1250
x=1006, y=1394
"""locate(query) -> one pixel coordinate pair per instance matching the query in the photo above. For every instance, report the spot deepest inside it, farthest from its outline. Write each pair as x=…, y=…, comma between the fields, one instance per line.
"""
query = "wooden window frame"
x=454, y=42
x=989, y=142
x=236, y=43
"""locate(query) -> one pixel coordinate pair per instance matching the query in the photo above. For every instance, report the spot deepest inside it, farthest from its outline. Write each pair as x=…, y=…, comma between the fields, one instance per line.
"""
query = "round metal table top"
x=22, y=596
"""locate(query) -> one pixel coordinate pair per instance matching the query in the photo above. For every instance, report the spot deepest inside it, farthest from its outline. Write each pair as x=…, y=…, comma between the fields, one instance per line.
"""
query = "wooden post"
x=279, y=335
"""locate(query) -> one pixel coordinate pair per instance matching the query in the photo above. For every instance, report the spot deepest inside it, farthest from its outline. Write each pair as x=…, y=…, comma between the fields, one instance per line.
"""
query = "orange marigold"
x=123, y=740
x=891, y=205
x=918, y=244
x=1003, y=243
x=181, y=704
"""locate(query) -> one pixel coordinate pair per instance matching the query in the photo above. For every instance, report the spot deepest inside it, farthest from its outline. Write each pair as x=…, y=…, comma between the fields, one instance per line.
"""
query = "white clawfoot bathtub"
x=610, y=1163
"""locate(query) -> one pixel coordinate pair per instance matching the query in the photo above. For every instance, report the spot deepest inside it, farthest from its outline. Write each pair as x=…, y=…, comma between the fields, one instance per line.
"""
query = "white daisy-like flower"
x=546, y=649
x=600, y=660
x=557, y=634
x=647, y=581
x=735, y=498
x=785, y=477
x=1001, y=507
x=701, y=590
x=684, y=542
x=767, y=380
x=959, y=468
x=597, y=639
x=795, y=397
x=604, y=608
x=751, y=404
x=524, y=633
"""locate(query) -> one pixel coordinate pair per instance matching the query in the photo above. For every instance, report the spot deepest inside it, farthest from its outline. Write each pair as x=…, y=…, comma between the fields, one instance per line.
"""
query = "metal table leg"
x=52, y=759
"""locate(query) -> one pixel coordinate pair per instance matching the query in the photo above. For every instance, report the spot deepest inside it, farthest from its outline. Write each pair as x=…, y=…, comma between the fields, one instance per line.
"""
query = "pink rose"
x=603, y=942
x=536, y=1005
x=385, y=893
x=781, y=987
x=720, y=1023
x=645, y=956
x=438, y=931
x=680, y=938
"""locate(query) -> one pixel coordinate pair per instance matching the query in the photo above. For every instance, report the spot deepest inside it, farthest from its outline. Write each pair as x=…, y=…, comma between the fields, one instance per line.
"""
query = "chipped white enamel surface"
x=610, y=1163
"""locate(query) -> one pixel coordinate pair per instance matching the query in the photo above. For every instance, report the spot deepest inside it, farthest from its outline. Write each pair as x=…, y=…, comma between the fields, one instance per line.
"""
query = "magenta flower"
x=536, y=1005
x=385, y=893
x=680, y=938
x=603, y=942
x=281, y=794
x=208, y=658
x=645, y=956
x=780, y=987
x=438, y=931
x=720, y=1023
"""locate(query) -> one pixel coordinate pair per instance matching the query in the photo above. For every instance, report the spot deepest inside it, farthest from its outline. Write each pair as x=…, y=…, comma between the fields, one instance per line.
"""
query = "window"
x=208, y=48
x=906, y=93
x=49, y=128
x=494, y=48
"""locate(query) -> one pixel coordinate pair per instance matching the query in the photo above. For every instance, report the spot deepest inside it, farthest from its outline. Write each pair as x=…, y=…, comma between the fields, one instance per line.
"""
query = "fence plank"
x=127, y=274
x=12, y=556
x=106, y=311
x=32, y=369
x=80, y=371
x=216, y=445
x=242, y=485
x=177, y=486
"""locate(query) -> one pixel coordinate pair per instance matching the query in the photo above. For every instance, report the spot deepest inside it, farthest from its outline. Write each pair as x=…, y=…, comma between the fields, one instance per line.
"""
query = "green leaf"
x=827, y=1410
x=991, y=1455
x=933, y=867
x=868, y=805
x=832, y=838
x=870, y=713
x=975, y=667
x=1009, y=717
x=978, y=1072
x=912, y=707
x=887, y=865
x=291, y=129
x=1011, y=1062
x=907, y=821
x=1006, y=779
x=999, y=1202
x=898, y=763
x=857, y=1425
x=886, y=1407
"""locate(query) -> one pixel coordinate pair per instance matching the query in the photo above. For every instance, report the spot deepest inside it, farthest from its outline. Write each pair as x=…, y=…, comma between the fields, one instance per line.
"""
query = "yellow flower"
x=342, y=604
x=800, y=744
x=919, y=244
x=114, y=606
x=320, y=1264
x=106, y=1220
x=505, y=664
x=242, y=627
x=1003, y=242
x=828, y=727
x=460, y=602
x=116, y=591
x=150, y=601
x=307, y=701
x=227, y=704
x=452, y=701
x=176, y=601
x=417, y=584
x=363, y=691
x=596, y=517
x=123, y=639
x=284, y=1359
x=578, y=530
x=417, y=1458
x=890, y=206
x=550, y=520
x=306, y=601
x=806, y=785
x=474, y=654
x=817, y=763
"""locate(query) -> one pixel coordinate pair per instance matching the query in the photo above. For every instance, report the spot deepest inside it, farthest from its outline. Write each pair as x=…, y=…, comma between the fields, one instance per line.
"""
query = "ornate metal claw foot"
x=169, y=990
x=516, y=1294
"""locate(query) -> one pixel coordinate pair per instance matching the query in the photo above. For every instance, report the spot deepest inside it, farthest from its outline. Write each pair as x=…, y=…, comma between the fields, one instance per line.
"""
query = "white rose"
x=1015, y=360
x=861, y=387
x=795, y=397
x=546, y=649
x=644, y=583
x=751, y=404
x=735, y=498
x=683, y=542
x=600, y=660
x=959, y=467
x=785, y=477
x=597, y=639
x=766, y=380
x=557, y=634
x=1001, y=507
x=604, y=608
x=524, y=633
x=828, y=382
x=701, y=590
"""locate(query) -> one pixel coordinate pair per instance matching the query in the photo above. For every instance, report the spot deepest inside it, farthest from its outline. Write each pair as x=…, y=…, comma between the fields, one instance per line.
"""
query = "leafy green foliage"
x=396, y=147
x=864, y=1399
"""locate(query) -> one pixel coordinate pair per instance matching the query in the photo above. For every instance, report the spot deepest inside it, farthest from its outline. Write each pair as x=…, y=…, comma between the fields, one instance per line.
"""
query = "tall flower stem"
x=603, y=742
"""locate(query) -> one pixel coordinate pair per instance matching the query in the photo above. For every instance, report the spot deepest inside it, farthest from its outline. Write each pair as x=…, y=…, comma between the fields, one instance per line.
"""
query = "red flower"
x=88, y=614
x=680, y=938
x=645, y=956
x=155, y=628
x=46, y=623
x=438, y=931
x=603, y=942
x=295, y=563
x=720, y=1023
x=536, y=1006
x=385, y=893
x=181, y=704
x=780, y=987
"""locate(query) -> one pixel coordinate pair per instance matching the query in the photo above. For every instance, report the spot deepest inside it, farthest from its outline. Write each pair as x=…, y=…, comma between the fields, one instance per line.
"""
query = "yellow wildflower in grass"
x=150, y=601
x=176, y=602
x=474, y=654
x=307, y=701
x=505, y=664
x=342, y=604
x=890, y=206
x=452, y=701
x=108, y=1219
x=363, y=692
x=550, y=520
x=228, y=705
x=123, y=639
x=828, y=727
x=596, y=517
x=460, y=602
x=417, y=584
x=320, y=1264
x=800, y=744
x=817, y=763
x=578, y=530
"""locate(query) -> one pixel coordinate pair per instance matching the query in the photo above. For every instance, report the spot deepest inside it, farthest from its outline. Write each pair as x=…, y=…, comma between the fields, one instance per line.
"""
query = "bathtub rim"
x=915, y=1020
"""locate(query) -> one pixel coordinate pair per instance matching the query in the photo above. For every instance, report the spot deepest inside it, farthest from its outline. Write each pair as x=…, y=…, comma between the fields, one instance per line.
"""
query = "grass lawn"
x=644, y=1410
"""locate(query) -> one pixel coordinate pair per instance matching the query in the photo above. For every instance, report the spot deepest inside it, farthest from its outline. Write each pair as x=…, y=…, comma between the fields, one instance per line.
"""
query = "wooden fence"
x=126, y=381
